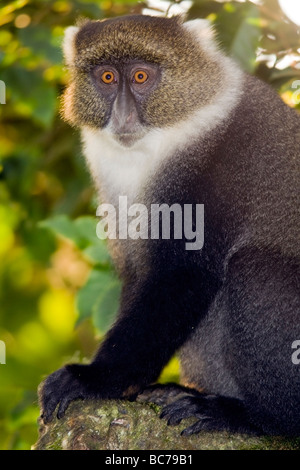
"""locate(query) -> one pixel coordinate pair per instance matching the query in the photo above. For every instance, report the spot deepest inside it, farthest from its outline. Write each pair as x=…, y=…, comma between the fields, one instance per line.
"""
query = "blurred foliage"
x=58, y=289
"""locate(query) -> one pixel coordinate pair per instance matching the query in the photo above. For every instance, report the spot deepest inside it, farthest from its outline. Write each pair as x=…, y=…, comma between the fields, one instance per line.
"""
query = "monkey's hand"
x=69, y=383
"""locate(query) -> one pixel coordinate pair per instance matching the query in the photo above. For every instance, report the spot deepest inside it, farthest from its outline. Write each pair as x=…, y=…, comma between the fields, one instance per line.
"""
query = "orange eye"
x=108, y=77
x=140, y=76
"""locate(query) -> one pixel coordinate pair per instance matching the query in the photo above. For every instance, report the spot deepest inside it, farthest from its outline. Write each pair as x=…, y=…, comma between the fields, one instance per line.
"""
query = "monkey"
x=166, y=117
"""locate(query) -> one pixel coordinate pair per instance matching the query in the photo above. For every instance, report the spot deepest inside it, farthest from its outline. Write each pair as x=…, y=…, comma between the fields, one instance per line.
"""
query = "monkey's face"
x=125, y=88
x=133, y=74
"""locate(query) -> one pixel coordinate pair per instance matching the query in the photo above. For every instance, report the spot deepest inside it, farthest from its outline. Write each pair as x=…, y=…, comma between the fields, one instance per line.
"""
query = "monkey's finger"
x=66, y=400
x=203, y=424
x=182, y=409
x=48, y=409
x=63, y=405
x=171, y=417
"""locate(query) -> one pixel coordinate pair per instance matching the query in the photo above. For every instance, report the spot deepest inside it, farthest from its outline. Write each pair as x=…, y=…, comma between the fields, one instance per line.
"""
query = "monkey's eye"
x=108, y=77
x=140, y=76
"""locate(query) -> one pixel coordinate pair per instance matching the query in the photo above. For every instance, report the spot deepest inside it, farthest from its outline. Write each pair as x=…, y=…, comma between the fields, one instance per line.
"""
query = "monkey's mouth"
x=128, y=139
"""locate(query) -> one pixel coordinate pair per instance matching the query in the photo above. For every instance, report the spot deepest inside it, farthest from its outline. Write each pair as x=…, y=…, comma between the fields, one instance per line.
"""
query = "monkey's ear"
x=68, y=45
x=201, y=28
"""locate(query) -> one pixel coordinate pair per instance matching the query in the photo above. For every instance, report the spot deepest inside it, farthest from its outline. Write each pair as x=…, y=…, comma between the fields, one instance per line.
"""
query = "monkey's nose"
x=124, y=114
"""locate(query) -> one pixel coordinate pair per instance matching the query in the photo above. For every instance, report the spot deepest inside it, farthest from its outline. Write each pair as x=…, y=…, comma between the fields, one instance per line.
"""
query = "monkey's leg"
x=157, y=315
x=262, y=318
x=212, y=412
x=264, y=305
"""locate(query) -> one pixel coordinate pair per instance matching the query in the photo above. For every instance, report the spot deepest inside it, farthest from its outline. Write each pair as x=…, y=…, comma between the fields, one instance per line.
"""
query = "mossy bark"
x=121, y=425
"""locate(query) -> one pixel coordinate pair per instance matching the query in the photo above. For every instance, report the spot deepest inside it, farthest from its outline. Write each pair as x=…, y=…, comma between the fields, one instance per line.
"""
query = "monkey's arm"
x=156, y=318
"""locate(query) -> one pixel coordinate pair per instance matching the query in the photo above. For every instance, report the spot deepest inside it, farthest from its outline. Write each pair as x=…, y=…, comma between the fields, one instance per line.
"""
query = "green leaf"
x=106, y=307
x=239, y=31
x=31, y=95
x=97, y=253
x=91, y=295
x=86, y=227
x=81, y=231
x=64, y=226
x=246, y=40
x=37, y=38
